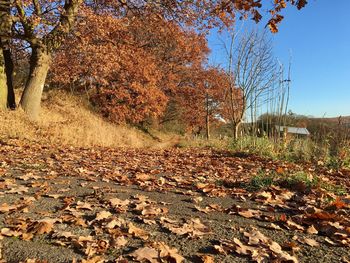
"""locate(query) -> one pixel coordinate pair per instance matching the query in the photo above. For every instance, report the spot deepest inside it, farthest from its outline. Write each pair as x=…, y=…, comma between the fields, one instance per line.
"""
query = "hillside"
x=333, y=120
x=67, y=120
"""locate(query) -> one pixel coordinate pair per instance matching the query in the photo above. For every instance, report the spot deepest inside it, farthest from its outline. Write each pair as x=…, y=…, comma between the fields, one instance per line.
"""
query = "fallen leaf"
x=83, y=206
x=310, y=242
x=249, y=213
x=312, y=230
x=294, y=225
x=119, y=241
x=40, y=228
x=102, y=215
x=146, y=253
x=9, y=233
x=167, y=253
x=206, y=259
x=96, y=259
x=137, y=232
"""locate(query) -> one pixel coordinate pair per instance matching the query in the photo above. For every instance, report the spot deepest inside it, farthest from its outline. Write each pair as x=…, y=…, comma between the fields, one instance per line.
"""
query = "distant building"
x=292, y=131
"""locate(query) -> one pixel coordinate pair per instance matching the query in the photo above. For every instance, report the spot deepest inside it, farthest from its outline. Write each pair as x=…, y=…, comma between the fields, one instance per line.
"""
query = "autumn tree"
x=144, y=60
x=44, y=24
x=201, y=98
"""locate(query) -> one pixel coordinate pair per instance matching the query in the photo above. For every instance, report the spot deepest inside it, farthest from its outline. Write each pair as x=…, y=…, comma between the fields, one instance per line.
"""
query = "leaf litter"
x=116, y=205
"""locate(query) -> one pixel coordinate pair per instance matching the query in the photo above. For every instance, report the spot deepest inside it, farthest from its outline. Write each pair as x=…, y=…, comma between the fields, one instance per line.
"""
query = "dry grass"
x=193, y=142
x=66, y=120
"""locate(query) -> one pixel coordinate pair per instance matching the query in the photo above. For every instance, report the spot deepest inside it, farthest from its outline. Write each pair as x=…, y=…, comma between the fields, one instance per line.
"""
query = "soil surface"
x=197, y=205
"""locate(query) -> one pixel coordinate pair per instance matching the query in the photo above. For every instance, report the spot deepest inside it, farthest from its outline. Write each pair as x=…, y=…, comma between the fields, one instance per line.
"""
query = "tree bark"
x=39, y=66
x=207, y=118
x=11, y=101
x=236, y=126
x=7, y=82
x=3, y=85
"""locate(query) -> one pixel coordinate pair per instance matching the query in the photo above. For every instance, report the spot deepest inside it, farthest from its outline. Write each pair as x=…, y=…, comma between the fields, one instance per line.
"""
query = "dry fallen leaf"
x=9, y=233
x=137, y=232
x=83, y=206
x=119, y=241
x=312, y=230
x=193, y=228
x=275, y=247
x=102, y=215
x=146, y=253
x=197, y=199
x=249, y=213
x=5, y=208
x=329, y=241
x=167, y=253
x=115, y=222
x=294, y=225
x=243, y=249
x=206, y=259
x=40, y=227
x=96, y=259
x=119, y=202
x=310, y=242
x=150, y=210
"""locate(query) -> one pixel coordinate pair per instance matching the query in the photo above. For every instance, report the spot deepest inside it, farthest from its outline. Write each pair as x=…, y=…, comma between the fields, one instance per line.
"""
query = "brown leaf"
x=27, y=236
x=102, y=215
x=120, y=242
x=206, y=259
x=137, y=232
x=294, y=225
x=312, y=230
x=9, y=233
x=170, y=254
x=243, y=249
x=275, y=247
x=310, y=242
x=5, y=208
x=249, y=213
x=146, y=253
x=96, y=259
x=119, y=202
x=83, y=206
x=41, y=228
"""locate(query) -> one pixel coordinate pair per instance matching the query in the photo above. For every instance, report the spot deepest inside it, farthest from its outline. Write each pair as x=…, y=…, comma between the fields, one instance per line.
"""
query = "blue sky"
x=318, y=37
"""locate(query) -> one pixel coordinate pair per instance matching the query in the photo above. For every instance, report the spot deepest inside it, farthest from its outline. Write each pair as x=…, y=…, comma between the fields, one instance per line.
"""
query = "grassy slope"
x=65, y=119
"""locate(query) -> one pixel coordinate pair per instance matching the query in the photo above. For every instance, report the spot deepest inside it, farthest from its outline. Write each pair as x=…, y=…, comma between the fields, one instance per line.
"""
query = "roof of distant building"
x=293, y=130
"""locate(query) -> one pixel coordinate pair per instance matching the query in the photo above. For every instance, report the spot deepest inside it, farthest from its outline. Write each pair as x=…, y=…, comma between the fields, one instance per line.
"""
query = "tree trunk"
x=3, y=85
x=207, y=119
x=11, y=101
x=6, y=24
x=236, y=130
x=39, y=66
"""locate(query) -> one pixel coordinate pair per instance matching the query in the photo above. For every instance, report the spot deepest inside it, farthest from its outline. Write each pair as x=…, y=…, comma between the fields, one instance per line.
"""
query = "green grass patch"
x=298, y=181
x=262, y=181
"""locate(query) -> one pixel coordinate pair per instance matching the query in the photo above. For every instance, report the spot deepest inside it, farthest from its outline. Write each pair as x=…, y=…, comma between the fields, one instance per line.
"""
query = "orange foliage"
x=129, y=65
x=132, y=62
x=192, y=96
x=104, y=56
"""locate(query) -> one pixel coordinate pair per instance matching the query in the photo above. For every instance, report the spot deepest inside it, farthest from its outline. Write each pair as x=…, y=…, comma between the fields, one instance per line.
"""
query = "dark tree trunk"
x=11, y=101
x=5, y=29
x=207, y=118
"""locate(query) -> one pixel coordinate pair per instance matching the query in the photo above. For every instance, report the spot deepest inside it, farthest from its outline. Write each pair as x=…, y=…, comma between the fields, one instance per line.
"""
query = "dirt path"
x=114, y=205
